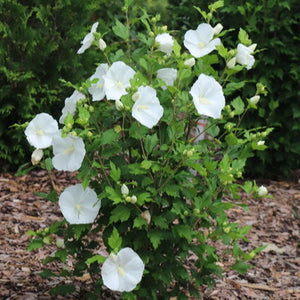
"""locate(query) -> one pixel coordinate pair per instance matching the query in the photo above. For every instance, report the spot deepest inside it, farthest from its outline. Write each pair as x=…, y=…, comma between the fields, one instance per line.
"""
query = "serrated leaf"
x=35, y=244
x=46, y=273
x=139, y=222
x=113, y=195
x=121, y=30
x=184, y=231
x=120, y=213
x=115, y=241
x=155, y=238
x=146, y=164
x=108, y=137
x=160, y=222
x=115, y=172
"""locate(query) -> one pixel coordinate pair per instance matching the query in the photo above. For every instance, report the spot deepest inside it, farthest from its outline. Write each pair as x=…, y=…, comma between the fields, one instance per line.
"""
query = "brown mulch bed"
x=275, y=222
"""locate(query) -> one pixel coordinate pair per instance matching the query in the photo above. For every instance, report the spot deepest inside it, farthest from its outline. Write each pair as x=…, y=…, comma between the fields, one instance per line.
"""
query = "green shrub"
x=131, y=135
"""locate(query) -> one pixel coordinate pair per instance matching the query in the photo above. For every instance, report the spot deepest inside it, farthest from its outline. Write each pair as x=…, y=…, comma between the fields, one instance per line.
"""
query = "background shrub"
x=274, y=26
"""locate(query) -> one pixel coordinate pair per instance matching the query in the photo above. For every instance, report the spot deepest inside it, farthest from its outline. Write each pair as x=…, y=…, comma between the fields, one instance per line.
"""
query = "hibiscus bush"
x=155, y=140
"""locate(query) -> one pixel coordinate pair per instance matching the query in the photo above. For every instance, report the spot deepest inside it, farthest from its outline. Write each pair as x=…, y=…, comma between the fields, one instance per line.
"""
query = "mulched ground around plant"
x=275, y=222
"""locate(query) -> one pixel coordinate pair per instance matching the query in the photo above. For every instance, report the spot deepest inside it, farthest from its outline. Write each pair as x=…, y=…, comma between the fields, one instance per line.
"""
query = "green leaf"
x=96, y=258
x=121, y=30
x=108, y=137
x=113, y=195
x=143, y=197
x=214, y=6
x=244, y=37
x=35, y=244
x=46, y=273
x=48, y=164
x=238, y=105
x=183, y=231
x=155, y=238
x=115, y=173
x=150, y=142
x=120, y=213
x=63, y=289
x=115, y=241
x=241, y=267
x=146, y=164
x=233, y=86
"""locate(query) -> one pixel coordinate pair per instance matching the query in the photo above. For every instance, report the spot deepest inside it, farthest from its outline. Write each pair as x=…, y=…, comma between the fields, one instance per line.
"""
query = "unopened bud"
x=254, y=99
x=133, y=199
x=117, y=128
x=231, y=63
x=124, y=190
x=189, y=62
x=146, y=216
x=36, y=156
x=218, y=28
x=262, y=191
x=102, y=44
x=119, y=105
x=165, y=28
x=227, y=229
x=260, y=143
x=135, y=96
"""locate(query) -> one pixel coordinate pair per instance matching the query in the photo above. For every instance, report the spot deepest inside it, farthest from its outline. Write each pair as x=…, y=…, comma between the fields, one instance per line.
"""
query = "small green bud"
x=227, y=229
x=133, y=199
x=151, y=33
x=196, y=211
x=185, y=213
x=128, y=199
x=91, y=108
x=89, y=134
x=252, y=254
x=117, y=128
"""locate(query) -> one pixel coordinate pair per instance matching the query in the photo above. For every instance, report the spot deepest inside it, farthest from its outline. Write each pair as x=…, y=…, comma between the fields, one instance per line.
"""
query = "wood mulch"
x=275, y=222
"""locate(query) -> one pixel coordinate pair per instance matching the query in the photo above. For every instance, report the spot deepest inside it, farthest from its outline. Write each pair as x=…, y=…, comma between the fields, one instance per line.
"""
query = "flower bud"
x=165, y=28
x=189, y=62
x=117, y=129
x=260, y=143
x=124, y=190
x=231, y=63
x=262, y=191
x=102, y=44
x=254, y=99
x=119, y=104
x=36, y=156
x=135, y=96
x=218, y=28
x=133, y=199
x=227, y=229
x=146, y=216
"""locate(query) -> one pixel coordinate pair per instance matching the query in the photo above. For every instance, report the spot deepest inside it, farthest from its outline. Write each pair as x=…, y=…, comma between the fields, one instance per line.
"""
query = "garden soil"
x=275, y=222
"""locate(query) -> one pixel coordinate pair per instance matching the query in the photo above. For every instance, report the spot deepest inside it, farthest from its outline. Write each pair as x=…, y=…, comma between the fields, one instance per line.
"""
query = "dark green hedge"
x=274, y=26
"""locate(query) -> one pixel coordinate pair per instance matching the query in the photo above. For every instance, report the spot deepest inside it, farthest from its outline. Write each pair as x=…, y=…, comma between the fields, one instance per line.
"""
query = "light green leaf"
x=115, y=241
x=121, y=30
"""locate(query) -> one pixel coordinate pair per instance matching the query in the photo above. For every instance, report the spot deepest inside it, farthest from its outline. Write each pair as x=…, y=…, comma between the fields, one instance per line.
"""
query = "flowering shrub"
x=149, y=193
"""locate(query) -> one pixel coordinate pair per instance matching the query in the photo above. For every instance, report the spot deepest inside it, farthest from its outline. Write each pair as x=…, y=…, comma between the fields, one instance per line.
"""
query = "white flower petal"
x=168, y=75
x=200, y=42
x=40, y=131
x=117, y=79
x=97, y=89
x=70, y=105
x=88, y=39
x=244, y=56
x=79, y=206
x=165, y=42
x=68, y=153
x=208, y=96
x=122, y=272
x=147, y=109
